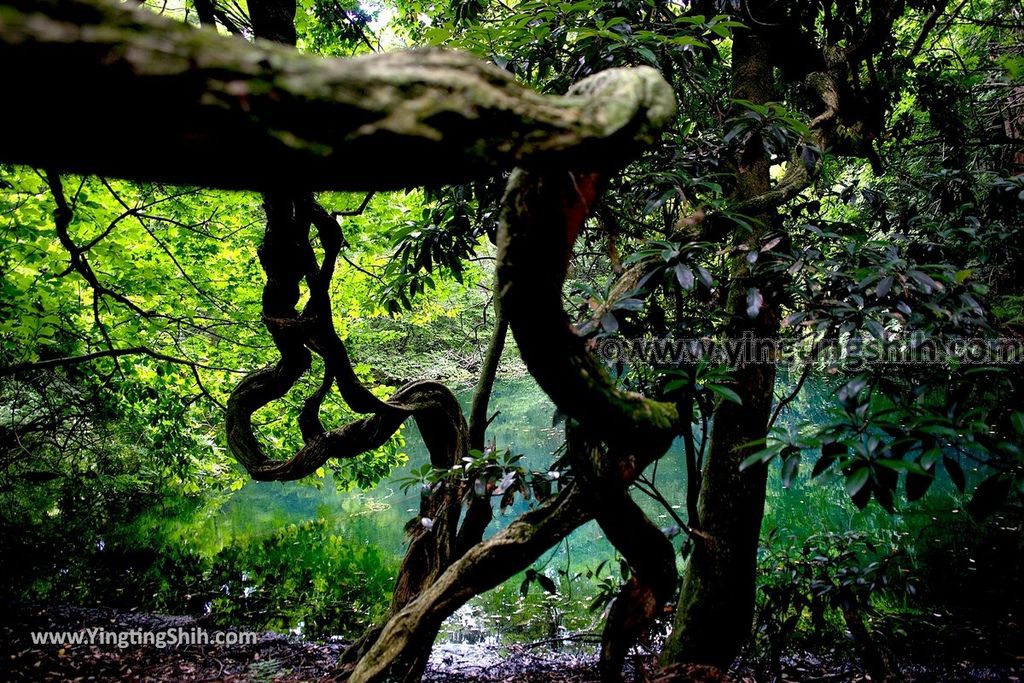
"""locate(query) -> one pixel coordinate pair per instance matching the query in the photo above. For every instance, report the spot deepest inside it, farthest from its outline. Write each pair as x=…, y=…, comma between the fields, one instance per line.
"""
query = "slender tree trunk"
x=478, y=419
x=875, y=658
x=716, y=603
x=479, y=512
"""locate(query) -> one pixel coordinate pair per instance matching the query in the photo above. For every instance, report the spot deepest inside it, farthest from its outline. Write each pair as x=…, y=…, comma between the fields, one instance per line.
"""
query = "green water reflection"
x=375, y=519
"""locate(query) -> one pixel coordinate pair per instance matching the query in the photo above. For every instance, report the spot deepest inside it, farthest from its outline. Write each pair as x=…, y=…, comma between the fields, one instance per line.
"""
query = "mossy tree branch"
x=217, y=111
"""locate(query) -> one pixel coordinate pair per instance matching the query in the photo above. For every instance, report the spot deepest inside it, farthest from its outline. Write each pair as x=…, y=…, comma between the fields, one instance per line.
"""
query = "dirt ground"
x=274, y=657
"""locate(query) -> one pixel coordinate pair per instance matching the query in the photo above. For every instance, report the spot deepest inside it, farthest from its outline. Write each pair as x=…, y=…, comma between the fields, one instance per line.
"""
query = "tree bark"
x=481, y=568
x=716, y=603
x=217, y=111
x=288, y=258
x=479, y=511
x=478, y=419
x=876, y=659
x=649, y=552
x=542, y=214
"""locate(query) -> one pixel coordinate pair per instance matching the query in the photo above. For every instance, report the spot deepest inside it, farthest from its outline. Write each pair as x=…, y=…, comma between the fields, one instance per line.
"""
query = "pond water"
x=581, y=567
x=376, y=519
x=378, y=515
x=524, y=425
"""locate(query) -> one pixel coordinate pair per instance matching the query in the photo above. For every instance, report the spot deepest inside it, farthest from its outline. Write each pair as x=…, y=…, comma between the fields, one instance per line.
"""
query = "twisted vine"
x=542, y=215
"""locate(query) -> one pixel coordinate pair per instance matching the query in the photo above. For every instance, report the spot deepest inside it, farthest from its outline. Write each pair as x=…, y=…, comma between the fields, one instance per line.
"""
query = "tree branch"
x=106, y=353
x=213, y=110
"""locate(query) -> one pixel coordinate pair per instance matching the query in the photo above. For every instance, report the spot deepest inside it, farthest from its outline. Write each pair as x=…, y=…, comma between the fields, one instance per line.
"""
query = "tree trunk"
x=716, y=603
x=481, y=568
x=876, y=659
x=621, y=432
x=479, y=511
x=478, y=419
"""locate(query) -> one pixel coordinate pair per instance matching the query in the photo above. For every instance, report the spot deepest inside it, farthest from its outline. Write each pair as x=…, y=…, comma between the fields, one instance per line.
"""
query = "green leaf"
x=761, y=456
x=956, y=473
x=647, y=55
x=930, y=457
x=726, y=393
x=940, y=430
x=790, y=468
x=901, y=465
x=1017, y=420
x=856, y=480
x=676, y=384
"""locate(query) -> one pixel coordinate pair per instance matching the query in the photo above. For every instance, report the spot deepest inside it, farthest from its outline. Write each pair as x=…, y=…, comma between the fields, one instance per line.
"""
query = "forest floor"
x=275, y=657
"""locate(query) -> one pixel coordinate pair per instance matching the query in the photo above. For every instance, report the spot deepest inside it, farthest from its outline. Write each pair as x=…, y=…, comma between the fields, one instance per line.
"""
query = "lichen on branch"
x=217, y=111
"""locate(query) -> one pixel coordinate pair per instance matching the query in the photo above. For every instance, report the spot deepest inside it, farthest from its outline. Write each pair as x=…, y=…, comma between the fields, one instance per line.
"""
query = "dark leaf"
x=541, y=488
x=851, y=390
x=809, y=157
x=955, y=472
x=685, y=276
x=989, y=496
x=822, y=465
x=547, y=584
x=927, y=283
x=833, y=449
x=917, y=485
x=856, y=480
x=726, y=393
x=884, y=285
x=790, y=468
x=862, y=497
x=884, y=497
x=629, y=304
x=1017, y=420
